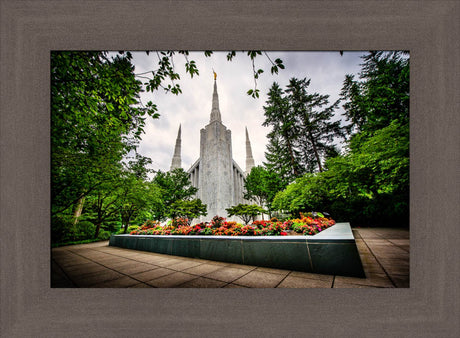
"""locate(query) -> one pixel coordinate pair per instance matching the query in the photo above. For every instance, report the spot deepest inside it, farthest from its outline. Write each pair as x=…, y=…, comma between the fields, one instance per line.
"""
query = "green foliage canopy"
x=187, y=209
x=369, y=183
x=174, y=185
x=95, y=121
x=382, y=93
x=303, y=132
x=246, y=212
x=261, y=185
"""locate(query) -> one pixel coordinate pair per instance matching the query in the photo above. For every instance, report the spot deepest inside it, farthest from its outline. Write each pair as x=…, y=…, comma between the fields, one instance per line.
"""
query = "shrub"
x=217, y=221
x=104, y=235
x=84, y=230
x=179, y=222
x=132, y=228
x=206, y=231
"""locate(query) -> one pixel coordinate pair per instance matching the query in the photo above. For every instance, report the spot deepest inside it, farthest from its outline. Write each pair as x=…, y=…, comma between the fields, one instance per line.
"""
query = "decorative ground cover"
x=308, y=225
x=331, y=251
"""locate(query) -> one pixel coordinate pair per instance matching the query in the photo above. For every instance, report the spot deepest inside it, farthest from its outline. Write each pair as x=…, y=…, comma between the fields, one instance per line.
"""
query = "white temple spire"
x=176, y=160
x=249, y=158
x=215, y=112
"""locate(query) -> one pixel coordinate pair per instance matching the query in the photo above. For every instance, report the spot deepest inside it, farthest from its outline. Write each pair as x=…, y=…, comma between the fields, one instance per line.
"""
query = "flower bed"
x=306, y=225
x=332, y=251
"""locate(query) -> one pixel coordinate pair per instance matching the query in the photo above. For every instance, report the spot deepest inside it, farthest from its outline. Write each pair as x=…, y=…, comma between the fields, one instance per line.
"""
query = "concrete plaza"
x=384, y=254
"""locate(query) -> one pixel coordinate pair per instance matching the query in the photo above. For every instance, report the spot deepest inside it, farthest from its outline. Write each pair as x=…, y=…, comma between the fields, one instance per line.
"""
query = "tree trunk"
x=126, y=225
x=291, y=154
x=99, y=217
x=98, y=228
x=78, y=209
x=315, y=151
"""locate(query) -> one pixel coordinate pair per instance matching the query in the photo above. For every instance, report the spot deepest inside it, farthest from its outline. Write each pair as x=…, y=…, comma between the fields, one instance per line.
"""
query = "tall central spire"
x=215, y=112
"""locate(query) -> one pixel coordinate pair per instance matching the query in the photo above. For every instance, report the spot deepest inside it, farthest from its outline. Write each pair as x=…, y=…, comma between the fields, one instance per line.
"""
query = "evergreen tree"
x=381, y=95
x=303, y=132
x=315, y=130
x=369, y=185
x=281, y=153
x=277, y=159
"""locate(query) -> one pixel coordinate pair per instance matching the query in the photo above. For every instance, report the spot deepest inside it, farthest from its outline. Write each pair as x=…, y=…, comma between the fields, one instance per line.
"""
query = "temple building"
x=219, y=179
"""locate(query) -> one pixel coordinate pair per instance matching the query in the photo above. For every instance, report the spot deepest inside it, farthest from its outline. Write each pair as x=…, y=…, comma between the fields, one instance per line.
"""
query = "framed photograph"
x=31, y=32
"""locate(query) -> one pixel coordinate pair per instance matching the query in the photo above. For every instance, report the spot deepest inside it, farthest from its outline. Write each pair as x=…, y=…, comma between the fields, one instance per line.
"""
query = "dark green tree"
x=303, y=133
x=175, y=185
x=381, y=94
x=277, y=160
x=261, y=185
x=101, y=205
x=281, y=153
x=95, y=121
x=369, y=184
x=315, y=130
x=187, y=209
x=135, y=193
x=246, y=212
x=307, y=193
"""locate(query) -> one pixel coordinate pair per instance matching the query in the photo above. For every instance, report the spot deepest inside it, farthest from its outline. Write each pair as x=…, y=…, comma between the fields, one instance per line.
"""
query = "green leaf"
x=230, y=55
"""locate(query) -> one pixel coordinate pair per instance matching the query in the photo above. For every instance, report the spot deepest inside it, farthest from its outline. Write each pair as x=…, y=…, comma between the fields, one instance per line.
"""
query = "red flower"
x=282, y=233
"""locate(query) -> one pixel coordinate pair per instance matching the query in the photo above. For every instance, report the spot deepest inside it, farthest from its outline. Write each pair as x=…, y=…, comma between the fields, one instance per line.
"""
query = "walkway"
x=384, y=253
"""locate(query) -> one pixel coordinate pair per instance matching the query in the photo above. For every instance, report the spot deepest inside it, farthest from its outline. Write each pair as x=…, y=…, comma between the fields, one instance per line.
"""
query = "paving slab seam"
x=147, y=285
x=384, y=270
x=131, y=259
x=399, y=246
x=124, y=274
x=198, y=276
x=65, y=273
x=105, y=253
x=356, y=233
x=146, y=252
x=282, y=279
x=226, y=283
x=233, y=281
x=130, y=276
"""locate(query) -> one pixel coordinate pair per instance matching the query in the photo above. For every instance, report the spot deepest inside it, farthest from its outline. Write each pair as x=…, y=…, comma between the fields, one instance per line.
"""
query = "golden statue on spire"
x=215, y=74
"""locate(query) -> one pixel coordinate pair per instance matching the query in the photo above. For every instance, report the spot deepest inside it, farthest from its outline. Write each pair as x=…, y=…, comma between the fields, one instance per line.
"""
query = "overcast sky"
x=192, y=108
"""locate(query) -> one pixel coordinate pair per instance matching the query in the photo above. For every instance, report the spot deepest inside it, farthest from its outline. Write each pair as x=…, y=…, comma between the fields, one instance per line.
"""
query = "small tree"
x=175, y=185
x=261, y=186
x=188, y=209
x=245, y=211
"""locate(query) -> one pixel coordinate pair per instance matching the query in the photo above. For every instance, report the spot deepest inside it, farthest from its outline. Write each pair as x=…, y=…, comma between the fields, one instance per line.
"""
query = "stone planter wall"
x=332, y=251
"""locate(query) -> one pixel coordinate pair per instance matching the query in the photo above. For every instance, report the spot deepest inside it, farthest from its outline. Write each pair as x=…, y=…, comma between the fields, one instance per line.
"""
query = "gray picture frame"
x=31, y=29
